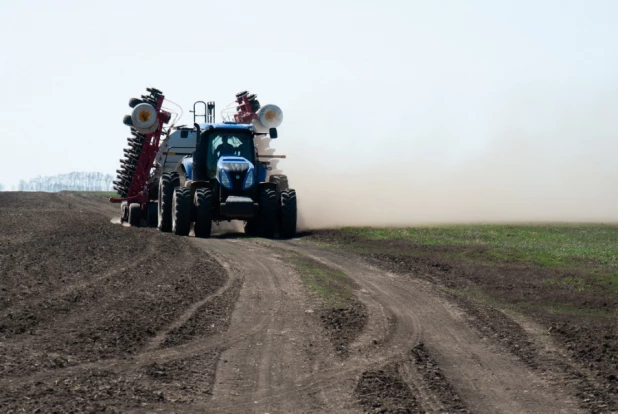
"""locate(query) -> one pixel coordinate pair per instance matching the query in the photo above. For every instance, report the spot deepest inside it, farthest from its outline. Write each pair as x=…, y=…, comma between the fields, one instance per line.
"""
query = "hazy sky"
x=362, y=84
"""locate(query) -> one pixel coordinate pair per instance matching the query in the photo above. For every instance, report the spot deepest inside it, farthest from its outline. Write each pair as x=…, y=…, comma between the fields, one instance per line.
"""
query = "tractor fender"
x=187, y=165
x=280, y=180
x=199, y=184
x=272, y=186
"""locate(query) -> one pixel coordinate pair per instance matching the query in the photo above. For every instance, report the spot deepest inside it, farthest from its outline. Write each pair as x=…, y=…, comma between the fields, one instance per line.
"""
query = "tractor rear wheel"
x=181, y=220
x=135, y=214
x=167, y=183
x=287, y=214
x=281, y=180
x=267, y=216
x=203, y=212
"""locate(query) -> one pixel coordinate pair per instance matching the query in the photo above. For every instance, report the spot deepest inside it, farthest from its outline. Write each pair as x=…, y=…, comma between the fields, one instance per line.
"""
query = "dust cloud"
x=481, y=192
x=555, y=164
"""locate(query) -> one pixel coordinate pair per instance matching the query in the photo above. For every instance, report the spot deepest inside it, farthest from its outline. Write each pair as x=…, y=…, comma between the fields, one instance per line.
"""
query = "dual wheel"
x=286, y=206
x=278, y=209
x=183, y=207
x=265, y=224
x=287, y=214
x=176, y=208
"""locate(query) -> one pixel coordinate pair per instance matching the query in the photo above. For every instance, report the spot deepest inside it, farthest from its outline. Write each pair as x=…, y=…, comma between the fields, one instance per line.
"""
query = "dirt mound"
x=384, y=391
x=434, y=378
x=343, y=325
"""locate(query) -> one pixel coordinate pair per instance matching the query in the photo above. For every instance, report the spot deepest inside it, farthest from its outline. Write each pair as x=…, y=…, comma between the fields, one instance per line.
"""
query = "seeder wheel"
x=135, y=214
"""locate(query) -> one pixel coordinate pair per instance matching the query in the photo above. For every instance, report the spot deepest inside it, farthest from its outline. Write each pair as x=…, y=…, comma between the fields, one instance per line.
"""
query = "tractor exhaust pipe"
x=199, y=155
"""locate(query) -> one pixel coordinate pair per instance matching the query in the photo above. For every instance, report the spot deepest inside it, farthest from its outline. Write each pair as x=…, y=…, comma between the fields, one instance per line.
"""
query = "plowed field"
x=96, y=316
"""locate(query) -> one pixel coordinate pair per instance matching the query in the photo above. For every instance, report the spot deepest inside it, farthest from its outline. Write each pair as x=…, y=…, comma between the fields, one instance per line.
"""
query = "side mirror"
x=273, y=133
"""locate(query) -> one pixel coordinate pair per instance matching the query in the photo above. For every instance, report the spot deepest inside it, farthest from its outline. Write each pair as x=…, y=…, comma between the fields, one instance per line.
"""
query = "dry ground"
x=101, y=317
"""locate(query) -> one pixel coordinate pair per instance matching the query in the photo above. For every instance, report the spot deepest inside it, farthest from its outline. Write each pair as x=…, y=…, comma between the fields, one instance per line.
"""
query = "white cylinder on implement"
x=269, y=116
x=144, y=117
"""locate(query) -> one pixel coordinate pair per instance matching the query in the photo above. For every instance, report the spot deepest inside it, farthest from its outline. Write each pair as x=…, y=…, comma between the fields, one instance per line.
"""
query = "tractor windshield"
x=229, y=142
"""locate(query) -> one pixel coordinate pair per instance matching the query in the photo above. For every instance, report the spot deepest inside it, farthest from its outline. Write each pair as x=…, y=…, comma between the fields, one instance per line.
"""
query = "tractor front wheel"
x=181, y=221
x=287, y=214
x=203, y=212
x=267, y=216
x=167, y=183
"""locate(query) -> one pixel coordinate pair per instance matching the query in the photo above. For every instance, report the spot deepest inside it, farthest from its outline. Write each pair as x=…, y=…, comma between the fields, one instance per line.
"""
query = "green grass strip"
x=543, y=244
x=331, y=285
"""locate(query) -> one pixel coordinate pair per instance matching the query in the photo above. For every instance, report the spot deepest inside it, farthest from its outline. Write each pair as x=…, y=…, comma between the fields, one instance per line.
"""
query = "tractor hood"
x=235, y=173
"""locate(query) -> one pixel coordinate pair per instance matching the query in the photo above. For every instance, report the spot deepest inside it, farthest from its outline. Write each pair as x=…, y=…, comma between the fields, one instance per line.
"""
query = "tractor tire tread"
x=167, y=183
x=181, y=223
x=267, y=215
x=203, y=212
x=288, y=214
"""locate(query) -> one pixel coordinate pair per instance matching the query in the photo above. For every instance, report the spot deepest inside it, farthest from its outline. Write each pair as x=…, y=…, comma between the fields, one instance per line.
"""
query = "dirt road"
x=96, y=316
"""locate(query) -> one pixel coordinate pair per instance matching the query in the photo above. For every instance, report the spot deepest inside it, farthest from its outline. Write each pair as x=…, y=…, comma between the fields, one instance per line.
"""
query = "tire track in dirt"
x=270, y=357
x=487, y=378
x=152, y=353
x=120, y=287
x=158, y=340
x=72, y=289
x=270, y=371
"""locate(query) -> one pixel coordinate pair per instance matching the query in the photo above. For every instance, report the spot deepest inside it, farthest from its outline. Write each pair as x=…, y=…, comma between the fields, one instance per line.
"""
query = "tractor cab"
x=235, y=144
x=225, y=156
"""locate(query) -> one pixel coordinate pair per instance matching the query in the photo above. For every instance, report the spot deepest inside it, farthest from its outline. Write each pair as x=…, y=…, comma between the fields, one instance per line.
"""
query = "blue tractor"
x=213, y=172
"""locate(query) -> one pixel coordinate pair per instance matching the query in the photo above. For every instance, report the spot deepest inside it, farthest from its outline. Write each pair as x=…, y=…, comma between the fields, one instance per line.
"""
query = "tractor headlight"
x=249, y=179
x=226, y=181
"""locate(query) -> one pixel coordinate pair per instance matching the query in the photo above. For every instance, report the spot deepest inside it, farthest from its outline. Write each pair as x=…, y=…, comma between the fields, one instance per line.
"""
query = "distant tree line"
x=76, y=181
